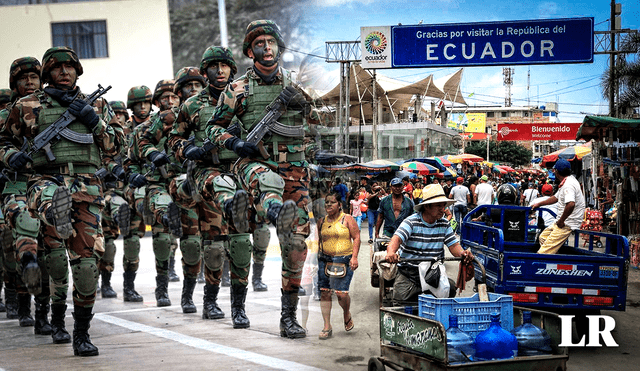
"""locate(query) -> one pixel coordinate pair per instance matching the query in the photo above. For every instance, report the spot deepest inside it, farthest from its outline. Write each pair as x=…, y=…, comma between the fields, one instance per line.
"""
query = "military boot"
x=237, y=210
x=11, y=299
x=256, y=278
x=173, y=277
x=283, y=216
x=82, y=345
x=31, y=274
x=200, y=278
x=238, y=315
x=289, y=326
x=171, y=220
x=210, y=309
x=24, y=310
x=42, y=325
x=106, y=290
x=129, y=291
x=123, y=218
x=59, y=213
x=186, y=301
x=59, y=333
x=225, y=280
x=162, y=296
x=2, y=307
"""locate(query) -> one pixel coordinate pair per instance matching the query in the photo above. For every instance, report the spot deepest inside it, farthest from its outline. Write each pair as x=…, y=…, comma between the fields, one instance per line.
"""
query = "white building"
x=121, y=43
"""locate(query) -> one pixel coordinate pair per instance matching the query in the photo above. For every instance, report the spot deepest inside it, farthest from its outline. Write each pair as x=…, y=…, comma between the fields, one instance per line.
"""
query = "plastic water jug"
x=495, y=342
x=459, y=343
x=532, y=340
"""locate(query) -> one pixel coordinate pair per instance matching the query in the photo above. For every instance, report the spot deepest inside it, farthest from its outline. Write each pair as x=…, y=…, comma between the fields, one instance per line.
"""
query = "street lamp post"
x=488, y=138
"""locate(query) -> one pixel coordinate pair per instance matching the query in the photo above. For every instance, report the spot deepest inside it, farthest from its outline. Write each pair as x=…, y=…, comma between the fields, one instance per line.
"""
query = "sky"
x=575, y=87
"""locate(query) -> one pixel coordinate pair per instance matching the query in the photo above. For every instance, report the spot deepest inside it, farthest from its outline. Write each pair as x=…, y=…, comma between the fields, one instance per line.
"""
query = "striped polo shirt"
x=423, y=240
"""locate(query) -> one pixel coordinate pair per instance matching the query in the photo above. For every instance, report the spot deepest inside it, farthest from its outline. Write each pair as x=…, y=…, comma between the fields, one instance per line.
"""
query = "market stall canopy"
x=330, y=158
x=377, y=166
x=569, y=154
x=421, y=168
x=431, y=161
x=468, y=157
x=595, y=127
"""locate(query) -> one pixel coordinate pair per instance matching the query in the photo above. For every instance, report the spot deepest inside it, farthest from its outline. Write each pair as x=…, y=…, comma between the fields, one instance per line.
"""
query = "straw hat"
x=433, y=194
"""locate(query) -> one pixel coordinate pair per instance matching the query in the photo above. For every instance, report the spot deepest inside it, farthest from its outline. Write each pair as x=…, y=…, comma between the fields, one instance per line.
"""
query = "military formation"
x=207, y=171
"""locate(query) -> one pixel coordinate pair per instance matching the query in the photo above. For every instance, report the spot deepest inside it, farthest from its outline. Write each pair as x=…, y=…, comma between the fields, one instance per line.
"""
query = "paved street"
x=140, y=336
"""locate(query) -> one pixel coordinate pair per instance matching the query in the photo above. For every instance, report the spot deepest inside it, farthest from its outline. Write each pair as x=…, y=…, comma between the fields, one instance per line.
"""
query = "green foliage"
x=504, y=152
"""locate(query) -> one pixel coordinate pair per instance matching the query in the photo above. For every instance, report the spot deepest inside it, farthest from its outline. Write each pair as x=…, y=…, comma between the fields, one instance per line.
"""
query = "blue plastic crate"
x=474, y=316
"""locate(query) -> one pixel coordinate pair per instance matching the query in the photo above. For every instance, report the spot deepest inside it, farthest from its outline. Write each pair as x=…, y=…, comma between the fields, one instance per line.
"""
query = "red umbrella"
x=466, y=157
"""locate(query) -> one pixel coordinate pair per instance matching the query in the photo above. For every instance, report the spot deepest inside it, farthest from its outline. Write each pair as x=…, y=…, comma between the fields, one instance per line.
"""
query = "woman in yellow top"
x=417, y=193
x=337, y=260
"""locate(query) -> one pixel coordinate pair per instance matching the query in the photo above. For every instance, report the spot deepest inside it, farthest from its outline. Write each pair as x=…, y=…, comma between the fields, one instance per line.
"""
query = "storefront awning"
x=594, y=127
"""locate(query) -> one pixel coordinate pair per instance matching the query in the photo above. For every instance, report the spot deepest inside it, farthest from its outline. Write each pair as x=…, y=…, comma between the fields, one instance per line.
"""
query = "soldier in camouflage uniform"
x=222, y=206
x=279, y=185
x=5, y=98
x=26, y=274
x=116, y=216
x=149, y=151
x=66, y=197
x=139, y=102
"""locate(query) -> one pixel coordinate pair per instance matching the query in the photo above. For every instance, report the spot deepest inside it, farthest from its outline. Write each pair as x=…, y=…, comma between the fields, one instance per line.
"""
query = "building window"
x=504, y=114
x=490, y=114
x=87, y=39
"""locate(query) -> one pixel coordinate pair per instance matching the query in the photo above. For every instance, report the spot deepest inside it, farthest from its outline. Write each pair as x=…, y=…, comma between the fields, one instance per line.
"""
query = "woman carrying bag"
x=337, y=260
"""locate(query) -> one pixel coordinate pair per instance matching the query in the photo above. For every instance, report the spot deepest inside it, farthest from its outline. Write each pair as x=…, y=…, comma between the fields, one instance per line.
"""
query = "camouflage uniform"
x=5, y=98
x=223, y=208
x=270, y=182
x=66, y=197
x=23, y=252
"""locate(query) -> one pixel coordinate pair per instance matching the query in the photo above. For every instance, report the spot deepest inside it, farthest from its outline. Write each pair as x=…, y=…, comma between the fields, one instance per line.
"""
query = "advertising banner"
x=470, y=122
x=554, y=131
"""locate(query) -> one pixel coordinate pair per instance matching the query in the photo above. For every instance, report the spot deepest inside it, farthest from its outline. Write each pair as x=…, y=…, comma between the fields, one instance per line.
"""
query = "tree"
x=501, y=151
x=627, y=76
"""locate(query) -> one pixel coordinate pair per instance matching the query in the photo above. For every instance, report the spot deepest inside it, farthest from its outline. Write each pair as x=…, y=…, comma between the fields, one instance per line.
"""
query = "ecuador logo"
x=375, y=42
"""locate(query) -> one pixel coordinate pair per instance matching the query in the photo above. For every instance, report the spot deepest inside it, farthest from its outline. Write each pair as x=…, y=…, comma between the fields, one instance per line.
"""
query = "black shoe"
x=162, y=295
x=59, y=213
x=210, y=309
x=256, y=279
x=59, y=333
x=238, y=315
x=106, y=290
x=173, y=277
x=237, y=209
x=24, y=310
x=289, y=326
x=82, y=345
x=11, y=300
x=283, y=216
x=186, y=301
x=42, y=325
x=31, y=275
x=171, y=220
x=123, y=218
x=129, y=291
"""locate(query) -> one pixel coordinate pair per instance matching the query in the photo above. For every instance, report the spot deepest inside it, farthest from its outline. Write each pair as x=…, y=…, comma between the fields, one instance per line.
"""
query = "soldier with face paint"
x=217, y=217
x=278, y=186
x=189, y=82
x=66, y=197
x=26, y=273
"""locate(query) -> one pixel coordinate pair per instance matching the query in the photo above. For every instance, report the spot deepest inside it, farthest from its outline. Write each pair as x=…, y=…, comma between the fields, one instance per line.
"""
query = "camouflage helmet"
x=119, y=107
x=262, y=27
x=138, y=94
x=218, y=54
x=161, y=87
x=5, y=96
x=20, y=65
x=59, y=54
x=186, y=74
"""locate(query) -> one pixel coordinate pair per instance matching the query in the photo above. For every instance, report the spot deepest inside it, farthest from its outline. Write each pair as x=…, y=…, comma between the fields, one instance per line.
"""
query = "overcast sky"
x=575, y=87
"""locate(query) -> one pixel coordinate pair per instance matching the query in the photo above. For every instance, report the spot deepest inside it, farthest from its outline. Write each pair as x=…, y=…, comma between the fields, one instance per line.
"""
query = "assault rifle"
x=269, y=124
x=59, y=129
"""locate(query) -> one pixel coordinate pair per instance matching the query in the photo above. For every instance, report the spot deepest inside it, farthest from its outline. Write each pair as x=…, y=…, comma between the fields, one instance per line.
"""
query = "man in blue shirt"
x=393, y=209
x=342, y=189
x=423, y=235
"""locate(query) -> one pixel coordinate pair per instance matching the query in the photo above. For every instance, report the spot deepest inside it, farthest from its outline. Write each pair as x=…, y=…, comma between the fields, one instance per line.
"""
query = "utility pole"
x=508, y=73
x=374, y=128
x=222, y=17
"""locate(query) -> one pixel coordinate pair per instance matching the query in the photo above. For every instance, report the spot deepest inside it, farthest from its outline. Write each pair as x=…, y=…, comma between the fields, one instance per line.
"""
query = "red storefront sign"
x=538, y=131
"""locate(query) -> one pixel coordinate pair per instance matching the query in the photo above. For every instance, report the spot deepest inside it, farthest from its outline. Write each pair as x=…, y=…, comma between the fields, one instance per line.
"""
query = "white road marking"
x=207, y=345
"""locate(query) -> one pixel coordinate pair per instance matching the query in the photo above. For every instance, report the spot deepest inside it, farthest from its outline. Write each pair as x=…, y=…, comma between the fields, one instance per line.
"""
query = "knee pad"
x=298, y=243
x=224, y=183
x=57, y=264
x=109, y=250
x=213, y=254
x=261, y=237
x=85, y=276
x=162, y=246
x=26, y=225
x=271, y=182
x=240, y=249
x=190, y=248
x=131, y=247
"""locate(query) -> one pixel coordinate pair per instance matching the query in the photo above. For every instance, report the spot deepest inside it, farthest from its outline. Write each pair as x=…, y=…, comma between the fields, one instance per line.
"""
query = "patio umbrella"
x=499, y=170
x=429, y=161
x=419, y=168
x=465, y=157
x=509, y=169
x=443, y=161
x=569, y=154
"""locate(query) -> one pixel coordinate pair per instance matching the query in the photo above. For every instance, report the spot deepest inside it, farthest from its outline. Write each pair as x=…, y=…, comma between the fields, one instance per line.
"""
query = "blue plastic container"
x=495, y=342
x=532, y=340
x=474, y=316
x=460, y=347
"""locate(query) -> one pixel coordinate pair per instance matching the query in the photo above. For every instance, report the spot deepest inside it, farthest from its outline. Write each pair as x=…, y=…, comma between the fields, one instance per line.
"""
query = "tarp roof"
x=593, y=127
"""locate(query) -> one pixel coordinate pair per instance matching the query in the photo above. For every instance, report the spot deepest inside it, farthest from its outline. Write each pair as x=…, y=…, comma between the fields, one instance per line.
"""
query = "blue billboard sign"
x=566, y=40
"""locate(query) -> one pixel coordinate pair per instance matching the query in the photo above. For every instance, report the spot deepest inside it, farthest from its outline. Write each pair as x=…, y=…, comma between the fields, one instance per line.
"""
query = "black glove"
x=84, y=113
x=158, y=158
x=242, y=148
x=193, y=152
x=288, y=95
x=137, y=180
x=118, y=172
x=18, y=160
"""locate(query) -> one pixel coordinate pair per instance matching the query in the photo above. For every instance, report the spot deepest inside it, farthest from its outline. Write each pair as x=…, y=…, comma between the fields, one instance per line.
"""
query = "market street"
x=140, y=336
